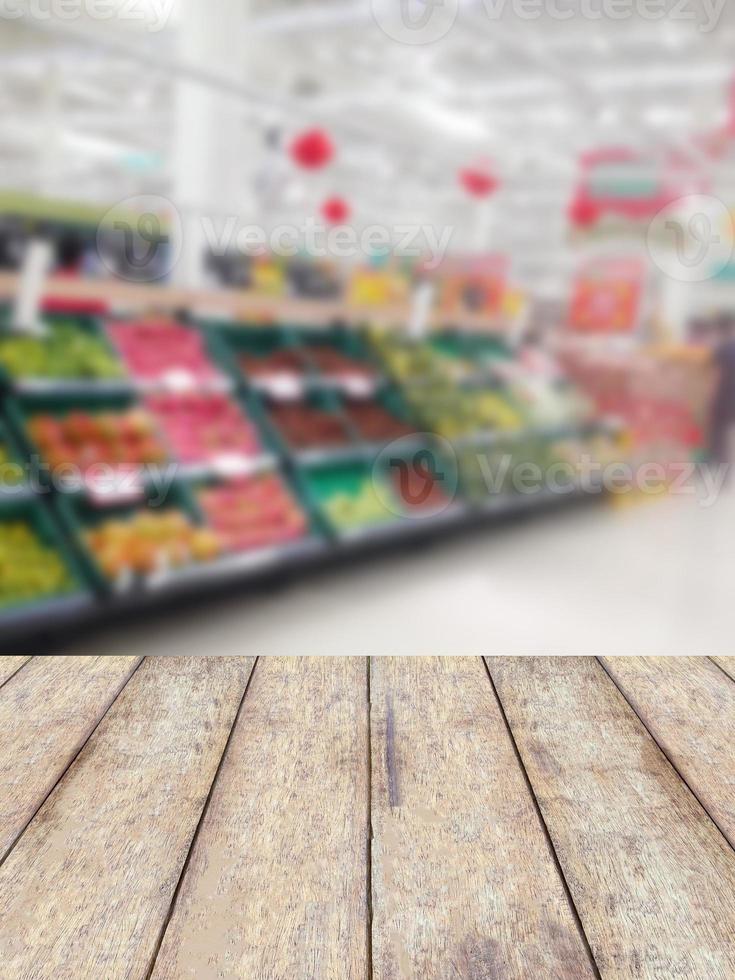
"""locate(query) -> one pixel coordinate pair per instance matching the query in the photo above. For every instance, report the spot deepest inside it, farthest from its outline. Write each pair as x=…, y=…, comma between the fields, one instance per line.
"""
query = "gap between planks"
x=18, y=835
x=688, y=778
x=195, y=837
x=552, y=850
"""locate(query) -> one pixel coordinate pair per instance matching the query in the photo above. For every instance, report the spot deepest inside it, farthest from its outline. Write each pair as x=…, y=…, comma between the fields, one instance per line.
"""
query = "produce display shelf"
x=325, y=541
x=84, y=325
x=52, y=613
x=71, y=387
x=403, y=528
x=239, y=566
x=180, y=384
x=244, y=571
x=228, y=466
x=321, y=455
x=494, y=437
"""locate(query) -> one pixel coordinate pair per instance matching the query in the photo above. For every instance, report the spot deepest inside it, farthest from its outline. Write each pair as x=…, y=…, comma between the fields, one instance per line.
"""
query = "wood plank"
x=277, y=882
x=688, y=705
x=464, y=882
x=727, y=664
x=86, y=890
x=10, y=666
x=46, y=715
x=651, y=876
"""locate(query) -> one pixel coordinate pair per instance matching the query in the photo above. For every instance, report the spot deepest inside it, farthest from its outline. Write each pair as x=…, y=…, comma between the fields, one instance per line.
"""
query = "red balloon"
x=583, y=213
x=312, y=149
x=335, y=210
x=478, y=183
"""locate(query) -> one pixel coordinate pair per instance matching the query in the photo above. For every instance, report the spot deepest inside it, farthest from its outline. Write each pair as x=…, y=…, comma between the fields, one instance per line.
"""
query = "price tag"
x=114, y=486
x=178, y=380
x=235, y=464
x=232, y=464
x=357, y=385
x=284, y=387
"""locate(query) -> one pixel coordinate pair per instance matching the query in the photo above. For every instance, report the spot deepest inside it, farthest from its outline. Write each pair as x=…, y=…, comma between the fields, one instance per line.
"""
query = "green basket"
x=78, y=515
x=230, y=343
x=211, y=347
x=391, y=399
x=39, y=517
x=21, y=409
x=84, y=324
x=325, y=400
x=17, y=461
x=319, y=484
x=196, y=484
x=350, y=343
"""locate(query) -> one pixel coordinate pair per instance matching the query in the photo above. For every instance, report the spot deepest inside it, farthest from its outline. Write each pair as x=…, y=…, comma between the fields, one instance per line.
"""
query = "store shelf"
x=72, y=387
x=260, y=566
x=238, y=567
x=326, y=543
x=46, y=614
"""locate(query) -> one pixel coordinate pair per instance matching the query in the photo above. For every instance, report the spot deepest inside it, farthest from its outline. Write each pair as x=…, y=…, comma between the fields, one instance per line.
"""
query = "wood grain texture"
x=727, y=664
x=464, y=882
x=47, y=712
x=86, y=890
x=688, y=705
x=276, y=888
x=651, y=876
x=10, y=666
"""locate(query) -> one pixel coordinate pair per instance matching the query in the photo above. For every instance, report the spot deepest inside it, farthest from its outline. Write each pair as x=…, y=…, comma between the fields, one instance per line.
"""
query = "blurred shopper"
x=722, y=418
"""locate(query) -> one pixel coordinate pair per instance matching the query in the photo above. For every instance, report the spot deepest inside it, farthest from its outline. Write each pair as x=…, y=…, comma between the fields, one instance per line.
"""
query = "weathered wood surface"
x=688, y=705
x=10, y=666
x=727, y=664
x=47, y=712
x=652, y=877
x=85, y=892
x=276, y=888
x=464, y=883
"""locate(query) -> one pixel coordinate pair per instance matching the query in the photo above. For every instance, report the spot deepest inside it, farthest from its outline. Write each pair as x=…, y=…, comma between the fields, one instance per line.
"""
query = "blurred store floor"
x=651, y=578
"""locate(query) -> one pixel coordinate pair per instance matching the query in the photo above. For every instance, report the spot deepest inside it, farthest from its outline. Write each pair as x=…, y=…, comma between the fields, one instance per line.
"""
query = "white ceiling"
x=87, y=108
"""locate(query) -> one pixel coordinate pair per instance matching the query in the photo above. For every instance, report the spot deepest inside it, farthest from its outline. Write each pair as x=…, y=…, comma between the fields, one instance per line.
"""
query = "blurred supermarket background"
x=351, y=326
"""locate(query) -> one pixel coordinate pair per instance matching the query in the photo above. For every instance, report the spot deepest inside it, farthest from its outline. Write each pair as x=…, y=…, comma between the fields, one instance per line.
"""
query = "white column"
x=212, y=161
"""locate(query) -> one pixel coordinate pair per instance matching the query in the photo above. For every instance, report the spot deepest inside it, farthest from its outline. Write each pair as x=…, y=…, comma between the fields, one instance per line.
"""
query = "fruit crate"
x=486, y=349
x=21, y=408
x=456, y=353
x=322, y=483
x=86, y=326
x=214, y=369
x=52, y=606
x=264, y=409
x=408, y=361
x=14, y=464
x=273, y=553
x=486, y=471
x=362, y=380
x=78, y=515
x=224, y=463
x=230, y=343
x=389, y=399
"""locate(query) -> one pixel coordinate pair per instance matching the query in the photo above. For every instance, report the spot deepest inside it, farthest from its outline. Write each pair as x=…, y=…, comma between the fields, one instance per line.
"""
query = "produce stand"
x=309, y=473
